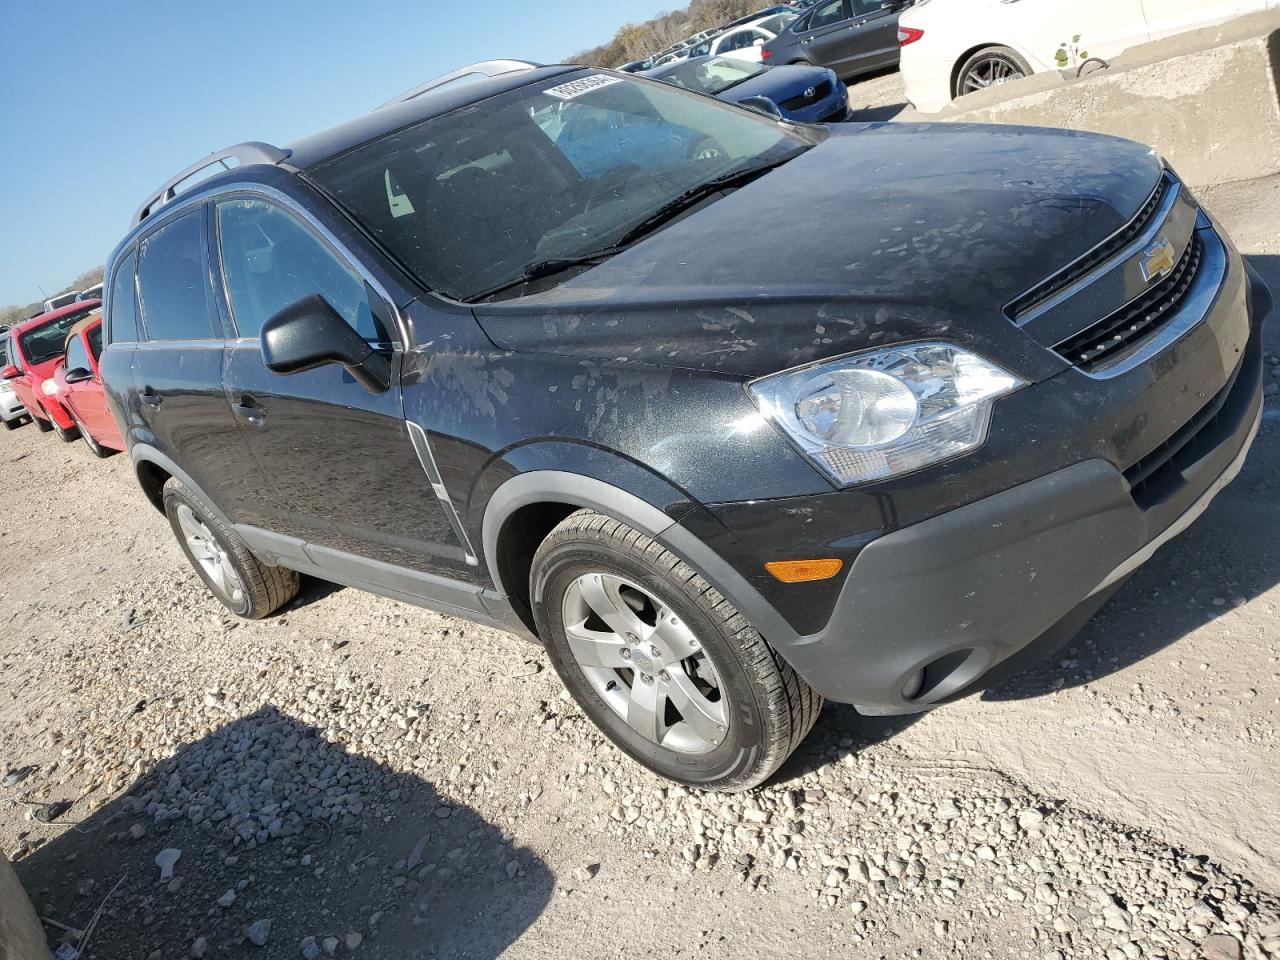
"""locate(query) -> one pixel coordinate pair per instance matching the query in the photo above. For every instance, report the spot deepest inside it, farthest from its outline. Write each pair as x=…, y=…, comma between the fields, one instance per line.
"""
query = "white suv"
x=954, y=47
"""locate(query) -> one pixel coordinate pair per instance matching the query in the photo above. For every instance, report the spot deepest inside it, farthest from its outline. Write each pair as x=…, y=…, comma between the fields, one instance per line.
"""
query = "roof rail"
x=485, y=68
x=244, y=154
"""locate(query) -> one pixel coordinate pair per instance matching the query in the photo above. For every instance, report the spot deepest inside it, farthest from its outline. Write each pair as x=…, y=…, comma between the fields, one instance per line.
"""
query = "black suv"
x=731, y=414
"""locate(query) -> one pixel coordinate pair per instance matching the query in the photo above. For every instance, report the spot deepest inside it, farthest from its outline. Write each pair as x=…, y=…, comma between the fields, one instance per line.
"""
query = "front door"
x=827, y=39
x=343, y=470
x=86, y=398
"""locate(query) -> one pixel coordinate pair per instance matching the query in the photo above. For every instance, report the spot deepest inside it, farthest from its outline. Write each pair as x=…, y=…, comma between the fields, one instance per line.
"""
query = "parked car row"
x=954, y=47
x=49, y=375
x=514, y=349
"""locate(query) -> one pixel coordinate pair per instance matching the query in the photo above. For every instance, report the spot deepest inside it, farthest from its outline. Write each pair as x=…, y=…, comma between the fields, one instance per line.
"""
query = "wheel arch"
x=526, y=508
x=964, y=58
x=153, y=469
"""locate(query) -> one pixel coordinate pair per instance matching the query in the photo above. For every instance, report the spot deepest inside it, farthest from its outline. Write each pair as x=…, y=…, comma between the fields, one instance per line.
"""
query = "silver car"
x=11, y=409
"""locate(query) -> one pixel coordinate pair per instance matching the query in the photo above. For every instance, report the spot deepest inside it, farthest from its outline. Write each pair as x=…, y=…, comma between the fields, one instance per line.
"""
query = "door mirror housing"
x=10, y=372
x=762, y=105
x=309, y=333
x=78, y=375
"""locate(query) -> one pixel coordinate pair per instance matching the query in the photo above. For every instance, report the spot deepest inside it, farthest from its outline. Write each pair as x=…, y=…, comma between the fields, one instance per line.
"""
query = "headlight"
x=49, y=388
x=886, y=412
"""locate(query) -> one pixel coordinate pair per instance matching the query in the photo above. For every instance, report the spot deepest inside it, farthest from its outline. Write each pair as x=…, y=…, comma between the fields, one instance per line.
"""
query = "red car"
x=35, y=348
x=79, y=388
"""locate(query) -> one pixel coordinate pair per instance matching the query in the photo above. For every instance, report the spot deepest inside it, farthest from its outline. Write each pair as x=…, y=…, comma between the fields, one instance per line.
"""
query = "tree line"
x=637, y=41
x=17, y=312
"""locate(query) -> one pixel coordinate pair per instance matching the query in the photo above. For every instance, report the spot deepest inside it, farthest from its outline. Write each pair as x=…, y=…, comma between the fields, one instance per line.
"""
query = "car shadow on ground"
x=276, y=823
x=864, y=101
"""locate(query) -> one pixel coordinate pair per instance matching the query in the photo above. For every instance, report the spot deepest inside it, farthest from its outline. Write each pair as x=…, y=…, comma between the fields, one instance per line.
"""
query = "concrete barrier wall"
x=21, y=937
x=1209, y=101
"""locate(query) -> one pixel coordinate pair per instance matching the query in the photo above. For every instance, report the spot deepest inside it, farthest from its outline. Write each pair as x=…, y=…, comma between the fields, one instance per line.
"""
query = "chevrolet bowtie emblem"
x=1157, y=261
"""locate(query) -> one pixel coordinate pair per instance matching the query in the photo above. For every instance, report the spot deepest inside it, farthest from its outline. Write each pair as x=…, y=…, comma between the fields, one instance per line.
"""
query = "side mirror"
x=310, y=333
x=78, y=375
x=10, y=372
x=762, y=105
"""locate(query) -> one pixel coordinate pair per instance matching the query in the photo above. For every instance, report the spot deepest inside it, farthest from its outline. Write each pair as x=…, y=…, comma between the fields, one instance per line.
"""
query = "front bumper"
x=11, y=407
x=929, y=610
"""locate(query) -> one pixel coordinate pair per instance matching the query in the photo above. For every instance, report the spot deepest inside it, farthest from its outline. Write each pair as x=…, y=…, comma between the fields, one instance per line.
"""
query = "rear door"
x=827, y=39
x=343, y=471
x=1167, y=17
x=115, y=364
x=178, y=367
x=1040, y=28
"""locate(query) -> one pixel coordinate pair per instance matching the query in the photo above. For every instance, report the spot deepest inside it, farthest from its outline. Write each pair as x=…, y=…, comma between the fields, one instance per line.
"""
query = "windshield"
x=49, y=341
x=713, y=76
x=471, y=200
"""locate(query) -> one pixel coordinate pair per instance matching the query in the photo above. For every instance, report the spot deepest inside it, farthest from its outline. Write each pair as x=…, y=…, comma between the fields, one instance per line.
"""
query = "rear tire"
x=245, y=586
x=990, y=67
x=677, y=678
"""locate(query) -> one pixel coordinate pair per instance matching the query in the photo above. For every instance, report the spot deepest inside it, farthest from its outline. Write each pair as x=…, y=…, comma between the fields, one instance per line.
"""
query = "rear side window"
x=271, y=260
x=171, y=281
x=95, y=341
x=124, y=302
x=827, y=14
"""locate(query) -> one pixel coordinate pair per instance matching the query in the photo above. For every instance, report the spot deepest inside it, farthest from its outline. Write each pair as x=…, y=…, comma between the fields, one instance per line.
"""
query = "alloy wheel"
x=990, y=71
x=645, y=663
x=210, y=554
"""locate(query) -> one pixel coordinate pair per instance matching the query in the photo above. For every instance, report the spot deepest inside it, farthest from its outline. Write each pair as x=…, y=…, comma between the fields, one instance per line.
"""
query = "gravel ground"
x=356, y=777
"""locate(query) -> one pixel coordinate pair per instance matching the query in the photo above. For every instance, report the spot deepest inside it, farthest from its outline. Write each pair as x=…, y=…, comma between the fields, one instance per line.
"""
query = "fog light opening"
x=915, y=683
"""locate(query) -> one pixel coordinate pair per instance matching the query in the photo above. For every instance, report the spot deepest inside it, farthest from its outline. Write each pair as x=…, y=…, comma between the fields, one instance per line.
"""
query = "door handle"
x=151, y=398
x=249, y=411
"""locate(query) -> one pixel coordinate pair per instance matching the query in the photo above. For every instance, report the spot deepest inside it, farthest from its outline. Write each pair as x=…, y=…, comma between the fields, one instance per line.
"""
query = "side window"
x=15, y=355
x=171, y=281
x=862, y=8
x=826, y=14
x=270, y=260
x=95, y=341
x=124, y=302
x=77, y=355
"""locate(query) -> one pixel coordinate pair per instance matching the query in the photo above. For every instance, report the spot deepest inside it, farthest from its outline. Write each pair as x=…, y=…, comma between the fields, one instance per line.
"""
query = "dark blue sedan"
x=806, y=94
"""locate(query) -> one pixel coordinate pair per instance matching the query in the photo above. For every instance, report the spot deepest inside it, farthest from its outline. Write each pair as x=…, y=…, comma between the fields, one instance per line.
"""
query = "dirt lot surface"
x=359, y=778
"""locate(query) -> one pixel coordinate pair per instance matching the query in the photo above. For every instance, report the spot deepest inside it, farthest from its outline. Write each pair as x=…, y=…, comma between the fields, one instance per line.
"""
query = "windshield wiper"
x=554, y=265
x=550, y=267
x=673, y=208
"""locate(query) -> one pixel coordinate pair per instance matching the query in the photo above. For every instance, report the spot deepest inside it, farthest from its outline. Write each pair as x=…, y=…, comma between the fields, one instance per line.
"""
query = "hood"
x=778, y=83
x=881, y=233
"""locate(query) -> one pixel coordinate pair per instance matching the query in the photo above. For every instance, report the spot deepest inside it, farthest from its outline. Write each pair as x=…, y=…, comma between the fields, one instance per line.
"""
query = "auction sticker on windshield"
x=576, y=88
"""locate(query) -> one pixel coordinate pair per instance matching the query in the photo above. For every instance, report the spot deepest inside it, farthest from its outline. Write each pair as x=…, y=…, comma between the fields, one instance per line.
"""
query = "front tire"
x=65, y=434
x=43, y=425
x=245, y=586
x=97, y=449
x=662, y=663
x=990, y=67
x=13, y=424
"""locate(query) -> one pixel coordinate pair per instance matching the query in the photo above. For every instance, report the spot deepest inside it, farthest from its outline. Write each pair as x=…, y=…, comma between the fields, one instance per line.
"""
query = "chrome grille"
x=1098, y=345
x=1111, y=247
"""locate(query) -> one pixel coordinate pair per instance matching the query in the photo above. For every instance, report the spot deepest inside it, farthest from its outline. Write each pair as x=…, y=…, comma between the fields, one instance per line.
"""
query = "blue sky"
x=101, y=102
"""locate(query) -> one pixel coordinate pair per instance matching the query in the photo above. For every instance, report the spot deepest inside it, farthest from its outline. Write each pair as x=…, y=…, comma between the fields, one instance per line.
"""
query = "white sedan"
x=954, y=47
x=746, y=41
